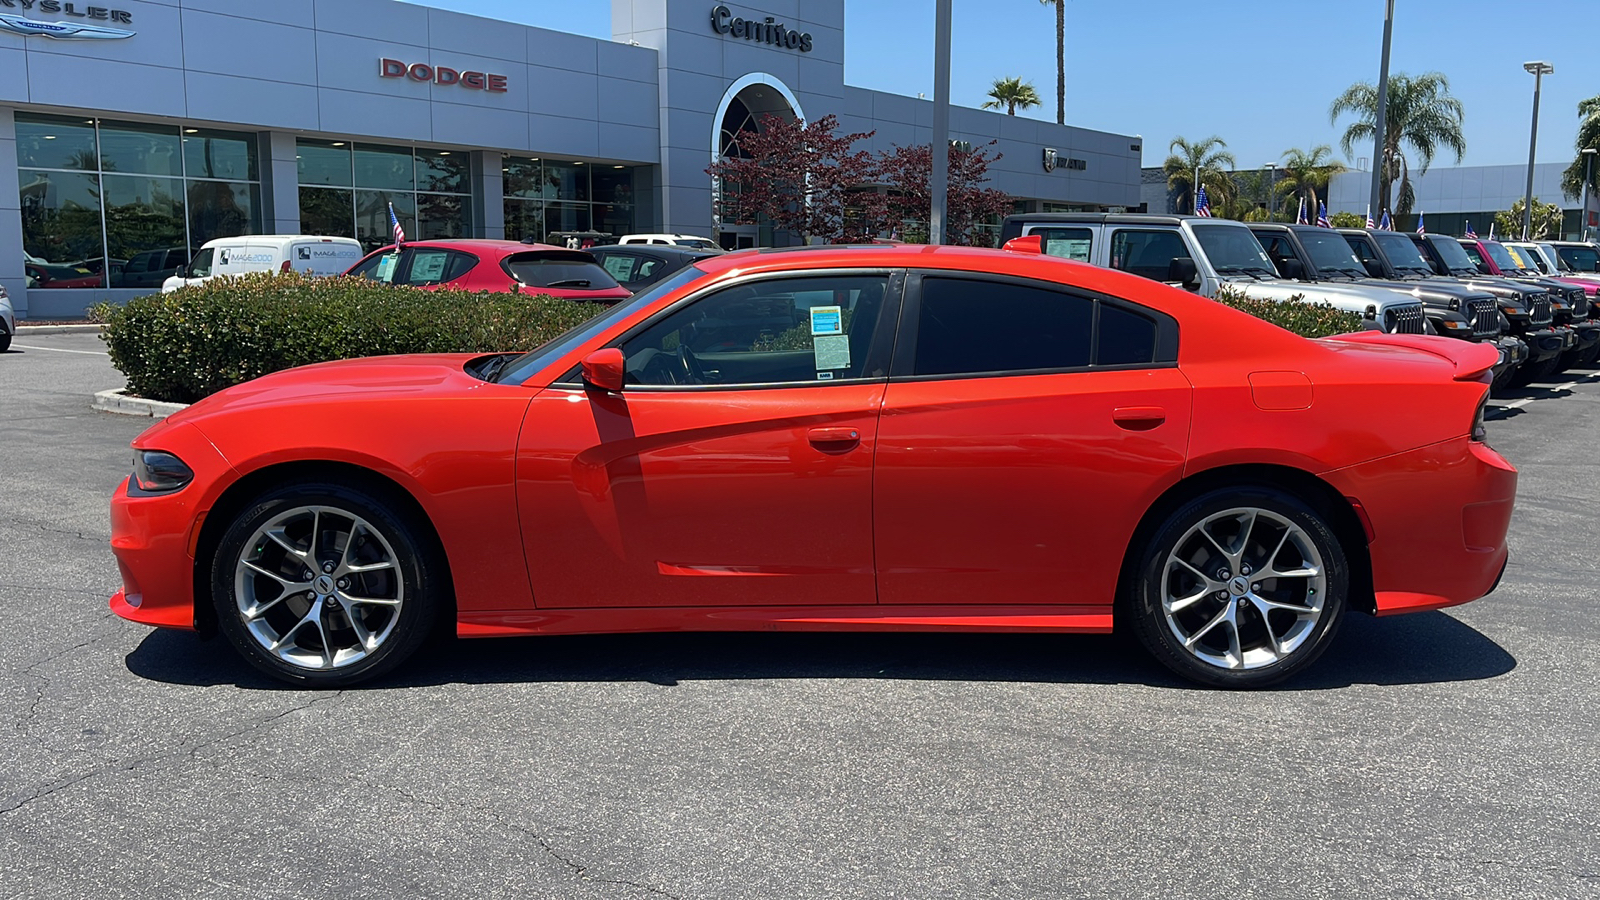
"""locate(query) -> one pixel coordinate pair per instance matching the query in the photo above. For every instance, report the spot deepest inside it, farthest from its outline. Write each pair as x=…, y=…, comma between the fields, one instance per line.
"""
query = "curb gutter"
x=119, y=402
x=24, y=329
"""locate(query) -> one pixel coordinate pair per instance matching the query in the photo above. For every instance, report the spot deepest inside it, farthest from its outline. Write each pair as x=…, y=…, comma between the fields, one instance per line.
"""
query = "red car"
x=894, y=438
x=483, y=265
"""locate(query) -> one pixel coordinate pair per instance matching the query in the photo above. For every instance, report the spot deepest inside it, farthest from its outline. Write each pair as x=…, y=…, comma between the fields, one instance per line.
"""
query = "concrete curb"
x=119, y=402
x=24, y=329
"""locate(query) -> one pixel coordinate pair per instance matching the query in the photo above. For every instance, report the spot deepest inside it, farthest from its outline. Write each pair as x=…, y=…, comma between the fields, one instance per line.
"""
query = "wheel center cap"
x=323, y=584
x=1239, y=586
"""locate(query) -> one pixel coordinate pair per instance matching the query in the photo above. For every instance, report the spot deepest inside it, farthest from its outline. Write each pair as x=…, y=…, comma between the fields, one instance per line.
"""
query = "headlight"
x=155, y=472
x=1479, y=432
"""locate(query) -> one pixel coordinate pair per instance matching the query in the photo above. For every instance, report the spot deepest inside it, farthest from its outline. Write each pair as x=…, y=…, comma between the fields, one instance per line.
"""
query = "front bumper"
x=1513, y=353
x=1550, y=342
x=1439, y=518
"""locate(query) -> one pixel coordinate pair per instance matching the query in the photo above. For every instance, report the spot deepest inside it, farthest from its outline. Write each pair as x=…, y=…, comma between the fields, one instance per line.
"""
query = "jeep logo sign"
x=771, y=31
x=472, y=81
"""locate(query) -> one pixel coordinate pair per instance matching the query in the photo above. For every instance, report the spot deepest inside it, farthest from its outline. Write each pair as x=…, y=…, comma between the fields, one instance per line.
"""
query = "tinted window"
x=766, y=332
x=1126, y=338
x=1583, y=259
x=1147, y=253
x=536, y=270
x=432, y=265
x=967, y=326
x=377, y=267
x=1067, y=243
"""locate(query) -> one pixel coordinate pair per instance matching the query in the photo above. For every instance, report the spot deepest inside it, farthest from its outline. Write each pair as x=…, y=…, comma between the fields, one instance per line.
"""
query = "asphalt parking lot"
x=1443, y=754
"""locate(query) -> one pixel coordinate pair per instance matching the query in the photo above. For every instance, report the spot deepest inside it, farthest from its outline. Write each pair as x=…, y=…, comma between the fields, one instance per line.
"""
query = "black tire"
x=5, y=341
x=372, y=620
x=1587, y=358
x=1544, y=370
x=1282, y=531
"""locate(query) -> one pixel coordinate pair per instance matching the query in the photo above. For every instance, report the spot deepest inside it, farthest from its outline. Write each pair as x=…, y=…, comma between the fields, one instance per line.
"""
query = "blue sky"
x=1258, y=73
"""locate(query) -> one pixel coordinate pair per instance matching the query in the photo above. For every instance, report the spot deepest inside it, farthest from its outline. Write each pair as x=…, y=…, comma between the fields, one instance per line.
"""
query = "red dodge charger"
x=896, y=438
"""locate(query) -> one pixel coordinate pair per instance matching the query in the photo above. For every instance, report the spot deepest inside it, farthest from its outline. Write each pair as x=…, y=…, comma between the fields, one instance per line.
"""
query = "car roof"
x=1116, y=218
x=481, y=245
x=659, y=250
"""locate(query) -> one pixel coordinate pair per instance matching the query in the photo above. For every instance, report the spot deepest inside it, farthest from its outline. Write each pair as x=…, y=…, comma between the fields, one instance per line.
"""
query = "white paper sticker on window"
x=827, y=320
x=386, y=267
x=832, y=351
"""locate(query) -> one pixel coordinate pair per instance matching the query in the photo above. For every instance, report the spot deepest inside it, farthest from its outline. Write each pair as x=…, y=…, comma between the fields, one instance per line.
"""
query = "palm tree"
x=1306, y=174
x=1061, y=58
x=1211, y=158
x=1588, y=136
x=1012, y=93
x=1421, y=114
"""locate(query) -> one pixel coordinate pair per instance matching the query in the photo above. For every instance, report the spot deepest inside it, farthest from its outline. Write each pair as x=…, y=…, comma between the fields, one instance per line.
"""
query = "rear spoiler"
x=1470, y=360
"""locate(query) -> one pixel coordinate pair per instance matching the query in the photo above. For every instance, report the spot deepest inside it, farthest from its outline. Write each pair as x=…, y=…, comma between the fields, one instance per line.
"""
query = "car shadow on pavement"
x=1420, y=648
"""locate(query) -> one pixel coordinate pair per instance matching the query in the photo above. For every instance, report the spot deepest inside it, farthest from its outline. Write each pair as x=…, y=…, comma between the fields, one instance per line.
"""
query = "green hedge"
x=185, y=345
x=1312, y=320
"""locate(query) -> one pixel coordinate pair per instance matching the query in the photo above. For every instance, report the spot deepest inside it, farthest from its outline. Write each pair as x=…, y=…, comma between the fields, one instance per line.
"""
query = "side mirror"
x=602, y=369
x=181, y=271
x=1293, y=269
x=1182, y=270
x=1372, y=267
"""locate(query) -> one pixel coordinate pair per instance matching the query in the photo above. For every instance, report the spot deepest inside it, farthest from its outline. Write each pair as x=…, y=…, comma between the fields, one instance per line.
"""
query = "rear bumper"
x=1439, y=518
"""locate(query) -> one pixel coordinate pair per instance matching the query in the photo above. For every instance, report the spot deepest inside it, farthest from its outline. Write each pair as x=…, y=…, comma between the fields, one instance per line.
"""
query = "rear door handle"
x=1138, y=418
x=834, y=437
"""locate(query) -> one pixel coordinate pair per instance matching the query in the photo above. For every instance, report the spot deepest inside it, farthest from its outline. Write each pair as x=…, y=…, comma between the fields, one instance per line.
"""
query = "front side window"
x=1148, y=254
x=201, y=267
x=1476, y=255
x=1067, y=243
x=377, y=267
x=779, y=331
x=1582, y=259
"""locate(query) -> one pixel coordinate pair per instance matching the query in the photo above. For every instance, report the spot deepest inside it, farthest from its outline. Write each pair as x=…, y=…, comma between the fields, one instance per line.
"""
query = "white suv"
x=693, y=242
x=8, y=321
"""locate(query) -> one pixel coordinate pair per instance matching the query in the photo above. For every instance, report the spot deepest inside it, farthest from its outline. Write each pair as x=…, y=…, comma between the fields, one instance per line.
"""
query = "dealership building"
x=136, y=131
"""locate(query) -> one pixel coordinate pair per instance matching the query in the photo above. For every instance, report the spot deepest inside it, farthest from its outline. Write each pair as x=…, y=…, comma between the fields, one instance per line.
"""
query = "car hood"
x=1352, y=297
x=394, y=377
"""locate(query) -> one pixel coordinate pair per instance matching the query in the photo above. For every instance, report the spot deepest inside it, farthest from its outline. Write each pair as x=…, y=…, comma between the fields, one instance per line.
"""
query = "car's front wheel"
x=1240, y=588
x=325, y=585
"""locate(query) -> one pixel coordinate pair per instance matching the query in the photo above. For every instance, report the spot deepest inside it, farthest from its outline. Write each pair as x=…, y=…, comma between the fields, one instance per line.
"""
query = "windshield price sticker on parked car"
x=386, y=267
x=827, y=320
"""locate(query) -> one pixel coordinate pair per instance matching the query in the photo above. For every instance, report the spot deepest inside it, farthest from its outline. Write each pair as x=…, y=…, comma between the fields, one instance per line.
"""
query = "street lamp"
x=1588, y=170
x=1381, y=120
x=1538, y=70
x=1272, y=182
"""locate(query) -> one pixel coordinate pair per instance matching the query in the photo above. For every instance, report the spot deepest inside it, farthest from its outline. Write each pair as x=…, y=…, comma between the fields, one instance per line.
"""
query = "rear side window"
x=1067, y=243
x=619, y=266
x=436, y=266
x=968, y=327
x=549, y=271
x=1148, y=254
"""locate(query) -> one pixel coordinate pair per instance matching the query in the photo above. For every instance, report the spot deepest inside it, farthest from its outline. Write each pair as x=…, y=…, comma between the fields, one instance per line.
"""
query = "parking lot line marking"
x=1518, y=404
x=60, y=350
x=1565, y=387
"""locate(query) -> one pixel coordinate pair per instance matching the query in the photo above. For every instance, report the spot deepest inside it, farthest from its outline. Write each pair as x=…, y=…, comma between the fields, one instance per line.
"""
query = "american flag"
x=1202, y=203
x=394, y=224
x=1370, y=224
x=1386, y=225
x=1420, y=229
x=1300, y=218
x=1470, y=233
x=1322, y=215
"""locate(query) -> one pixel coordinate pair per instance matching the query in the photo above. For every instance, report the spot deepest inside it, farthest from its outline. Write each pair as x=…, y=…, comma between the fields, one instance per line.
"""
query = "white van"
x=305, y=253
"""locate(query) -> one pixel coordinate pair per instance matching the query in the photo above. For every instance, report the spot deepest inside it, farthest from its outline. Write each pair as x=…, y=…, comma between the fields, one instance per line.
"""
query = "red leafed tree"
x=907, y=170
x=804, y=178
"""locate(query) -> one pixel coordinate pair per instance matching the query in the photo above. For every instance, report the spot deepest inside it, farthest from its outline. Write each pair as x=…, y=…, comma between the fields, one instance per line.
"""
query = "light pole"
x=1272, y=182
x=1379, y=161
x=939, y=178
x=1588, y=170
x=1538, y=70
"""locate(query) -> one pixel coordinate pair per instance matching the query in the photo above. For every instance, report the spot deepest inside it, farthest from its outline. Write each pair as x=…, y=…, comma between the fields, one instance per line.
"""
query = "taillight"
x=1479, y=432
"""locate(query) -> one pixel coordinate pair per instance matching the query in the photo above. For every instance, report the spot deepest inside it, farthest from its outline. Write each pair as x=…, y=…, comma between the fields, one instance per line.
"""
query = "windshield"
x=1555, y=258
x=1454, y=255
x=1582, y=258
x=1500, y=256
x=1233, y=250
x=1331, y=252
x=1531, y=259
x=525, y=366
x=1401, y=252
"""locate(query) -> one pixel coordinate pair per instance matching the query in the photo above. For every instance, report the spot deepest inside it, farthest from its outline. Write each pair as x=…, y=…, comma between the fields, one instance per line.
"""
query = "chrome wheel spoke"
x=369, y=601
x=367, y=567
x=312, y=615
x=1301, y=572
x=1183, y=603
x=363, y=634
x=1222, y=616
x=282, y=540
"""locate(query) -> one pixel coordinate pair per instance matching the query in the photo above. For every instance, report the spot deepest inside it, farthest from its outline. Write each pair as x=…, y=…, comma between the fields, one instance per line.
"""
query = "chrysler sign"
x=83, y=29
x=472, y=81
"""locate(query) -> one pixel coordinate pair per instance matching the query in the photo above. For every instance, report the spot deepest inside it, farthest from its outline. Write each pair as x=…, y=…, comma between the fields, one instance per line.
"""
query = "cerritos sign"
x=472, y=81
x=768, y=31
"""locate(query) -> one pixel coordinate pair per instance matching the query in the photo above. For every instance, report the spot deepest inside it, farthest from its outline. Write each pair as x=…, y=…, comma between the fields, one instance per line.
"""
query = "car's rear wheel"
x=5, y=340
x=324, y=585
x=1240, y=588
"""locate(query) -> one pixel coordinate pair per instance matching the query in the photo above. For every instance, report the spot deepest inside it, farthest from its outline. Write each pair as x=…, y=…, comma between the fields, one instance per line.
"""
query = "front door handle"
x=1138, y=418
x=835, y=438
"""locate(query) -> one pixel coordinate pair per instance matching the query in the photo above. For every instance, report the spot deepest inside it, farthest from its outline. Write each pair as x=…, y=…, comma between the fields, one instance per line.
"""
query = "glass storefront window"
x=327, y=211
x=60, y=223
x=565, y=217
x=372, y=216
x=613, y=198
x=116, y=204
x=442, y=171
x=384, y=167
x=523, y=219
x=140, y=149
x=565, y=181
x=443, y=216
x=56, y=142
x=323, y=162
x=218, y=154
x=523, y=177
